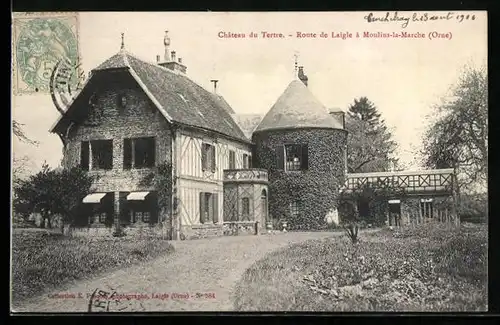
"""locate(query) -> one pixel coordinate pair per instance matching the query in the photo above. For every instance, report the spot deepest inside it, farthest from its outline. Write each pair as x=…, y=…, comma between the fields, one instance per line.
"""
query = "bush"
x=473, y=208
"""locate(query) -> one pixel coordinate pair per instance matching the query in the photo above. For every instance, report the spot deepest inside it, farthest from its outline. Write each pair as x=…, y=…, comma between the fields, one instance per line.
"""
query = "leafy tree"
x=53, y=192
x=370, y=144
x=458, y=138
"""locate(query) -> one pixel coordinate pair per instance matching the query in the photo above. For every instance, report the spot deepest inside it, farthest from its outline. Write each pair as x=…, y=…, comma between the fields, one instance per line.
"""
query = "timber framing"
x=422, y=182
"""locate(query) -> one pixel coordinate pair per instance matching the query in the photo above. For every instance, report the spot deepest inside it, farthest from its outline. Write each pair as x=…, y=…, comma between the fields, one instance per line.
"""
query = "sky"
x=403, y=77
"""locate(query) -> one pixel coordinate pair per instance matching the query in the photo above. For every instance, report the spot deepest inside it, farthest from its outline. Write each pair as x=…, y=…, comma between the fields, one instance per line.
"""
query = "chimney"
x=214, y=81
x=302, y=76
x=338, y=115
x=169, y=58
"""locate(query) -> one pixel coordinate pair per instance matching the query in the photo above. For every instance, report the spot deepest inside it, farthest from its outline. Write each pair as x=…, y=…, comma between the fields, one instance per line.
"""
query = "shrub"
x=351, y=230
x=473, y=208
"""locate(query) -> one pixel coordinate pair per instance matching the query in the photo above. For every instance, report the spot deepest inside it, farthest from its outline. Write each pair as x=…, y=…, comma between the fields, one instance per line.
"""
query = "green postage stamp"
x=40, y=41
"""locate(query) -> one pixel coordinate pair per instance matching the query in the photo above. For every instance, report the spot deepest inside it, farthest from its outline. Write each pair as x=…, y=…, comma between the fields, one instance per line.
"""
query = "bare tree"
x=458, y=138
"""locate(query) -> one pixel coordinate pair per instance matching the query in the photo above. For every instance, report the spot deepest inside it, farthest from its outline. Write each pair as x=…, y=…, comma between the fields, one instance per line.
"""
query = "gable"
x=178, y=98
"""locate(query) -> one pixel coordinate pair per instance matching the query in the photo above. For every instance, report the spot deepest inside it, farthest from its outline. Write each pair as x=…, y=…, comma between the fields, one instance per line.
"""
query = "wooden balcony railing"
x=423, y=181
x=246, y=175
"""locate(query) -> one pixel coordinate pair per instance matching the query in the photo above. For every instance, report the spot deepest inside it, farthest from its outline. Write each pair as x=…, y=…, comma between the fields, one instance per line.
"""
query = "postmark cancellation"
x=40, y=41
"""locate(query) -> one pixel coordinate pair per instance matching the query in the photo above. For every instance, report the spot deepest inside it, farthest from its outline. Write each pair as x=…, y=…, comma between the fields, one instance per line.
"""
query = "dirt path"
x=202, y=273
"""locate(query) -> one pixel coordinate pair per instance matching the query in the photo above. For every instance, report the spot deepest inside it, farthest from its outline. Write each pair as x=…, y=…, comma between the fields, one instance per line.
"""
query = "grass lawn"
x=43, y=261
x=429, y=268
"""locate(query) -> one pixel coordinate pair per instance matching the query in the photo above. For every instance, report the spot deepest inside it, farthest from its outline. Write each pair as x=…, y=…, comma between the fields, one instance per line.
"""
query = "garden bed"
x=429, y=268
x=42, y=261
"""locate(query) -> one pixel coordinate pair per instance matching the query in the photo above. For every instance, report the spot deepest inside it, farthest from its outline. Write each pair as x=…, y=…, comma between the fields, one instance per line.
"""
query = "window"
x=247, y=161
x=98, y=217
x=208, y=157
x=232, y=159
x=426, y=208
x=295, y=157
x=245, y=208
x=295, y=209
x=209, y=211
x=139, y=152
x=137, y=215
x=96, y=154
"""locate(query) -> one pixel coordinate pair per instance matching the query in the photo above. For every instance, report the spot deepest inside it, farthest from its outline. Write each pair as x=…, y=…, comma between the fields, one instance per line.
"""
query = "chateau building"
x=134, y=119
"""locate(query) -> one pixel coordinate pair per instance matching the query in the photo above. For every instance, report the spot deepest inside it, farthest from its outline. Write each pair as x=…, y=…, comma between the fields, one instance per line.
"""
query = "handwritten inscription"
x=405, y=19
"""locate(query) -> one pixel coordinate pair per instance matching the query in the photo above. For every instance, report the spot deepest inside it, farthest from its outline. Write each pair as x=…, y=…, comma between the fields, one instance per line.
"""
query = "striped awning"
x=137, y=196
x=94, y=198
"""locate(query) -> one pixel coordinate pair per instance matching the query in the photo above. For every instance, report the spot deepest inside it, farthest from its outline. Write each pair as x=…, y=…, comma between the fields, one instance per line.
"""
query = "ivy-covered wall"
x=317, y=188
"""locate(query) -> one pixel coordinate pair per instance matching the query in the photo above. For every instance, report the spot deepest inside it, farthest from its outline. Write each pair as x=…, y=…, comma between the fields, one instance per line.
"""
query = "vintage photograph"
x=249, y=161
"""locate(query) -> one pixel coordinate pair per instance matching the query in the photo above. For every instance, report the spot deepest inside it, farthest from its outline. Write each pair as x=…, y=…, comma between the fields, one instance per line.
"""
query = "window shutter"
x=152, y=152
x=202, y=207
x=213, y=162
x=304, y=158
x=215, y=205
x=249, y=161
x=108, y=156
x=84, y=155
x=231, y=159
x=280, y=159
x=127, y=153
x=203, y=157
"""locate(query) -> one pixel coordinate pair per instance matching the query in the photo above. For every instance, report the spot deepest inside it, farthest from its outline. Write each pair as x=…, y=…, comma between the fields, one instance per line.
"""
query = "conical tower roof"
x=297, y=108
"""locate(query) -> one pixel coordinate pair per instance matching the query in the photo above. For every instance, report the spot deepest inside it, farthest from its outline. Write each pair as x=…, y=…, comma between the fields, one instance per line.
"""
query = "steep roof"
x=297, y=108
x=178, y=98
x=247, y=122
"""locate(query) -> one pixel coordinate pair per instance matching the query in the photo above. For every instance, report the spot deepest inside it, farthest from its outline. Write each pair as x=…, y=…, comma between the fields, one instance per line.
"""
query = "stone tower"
x=304, y=149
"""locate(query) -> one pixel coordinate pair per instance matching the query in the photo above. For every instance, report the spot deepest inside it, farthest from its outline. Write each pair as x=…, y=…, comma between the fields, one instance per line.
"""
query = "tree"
x=458, y=138
x=19, y=163
x=53, y=192
x=369, y=142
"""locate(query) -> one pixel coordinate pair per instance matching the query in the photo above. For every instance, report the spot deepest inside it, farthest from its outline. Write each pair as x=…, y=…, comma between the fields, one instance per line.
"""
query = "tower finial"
x=166, y=42
x=123, y=42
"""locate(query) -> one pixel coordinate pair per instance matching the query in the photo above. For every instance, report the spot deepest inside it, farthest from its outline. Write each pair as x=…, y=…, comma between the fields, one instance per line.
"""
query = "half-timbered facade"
x=135, y=122
x=132, y=117
x=411, y=197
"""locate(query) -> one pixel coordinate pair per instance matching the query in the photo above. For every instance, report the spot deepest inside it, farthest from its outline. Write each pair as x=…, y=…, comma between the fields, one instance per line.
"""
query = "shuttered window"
x=208, y=162
x=139, y=152
x=127, y=153
x=84, y=155
x=209, y=207
x=296, y=157
x=232, y=160
x=96, y=154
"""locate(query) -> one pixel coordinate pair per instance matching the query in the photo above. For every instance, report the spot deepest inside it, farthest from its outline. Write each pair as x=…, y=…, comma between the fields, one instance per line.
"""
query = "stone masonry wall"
x=138, y=119
x=317, y=188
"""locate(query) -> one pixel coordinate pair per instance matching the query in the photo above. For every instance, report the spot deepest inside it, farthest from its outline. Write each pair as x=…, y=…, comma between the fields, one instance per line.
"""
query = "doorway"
x=394, y=213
